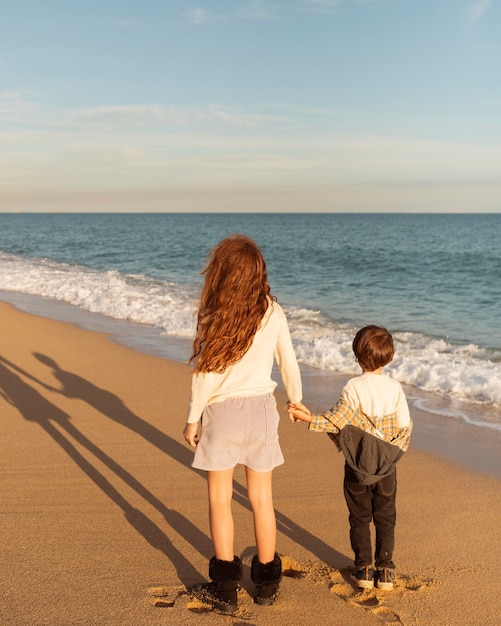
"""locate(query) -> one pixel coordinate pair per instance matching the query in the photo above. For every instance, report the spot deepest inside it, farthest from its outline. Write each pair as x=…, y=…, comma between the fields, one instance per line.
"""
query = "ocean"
x=434, y=280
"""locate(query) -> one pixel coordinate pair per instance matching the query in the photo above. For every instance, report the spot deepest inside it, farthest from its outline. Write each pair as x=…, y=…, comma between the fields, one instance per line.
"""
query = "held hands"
x=298, y=412
x=190, y=433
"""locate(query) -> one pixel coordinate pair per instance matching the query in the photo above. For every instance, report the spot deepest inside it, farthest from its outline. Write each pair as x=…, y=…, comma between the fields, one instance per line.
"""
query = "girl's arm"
x=287, y=362
x=331, y=421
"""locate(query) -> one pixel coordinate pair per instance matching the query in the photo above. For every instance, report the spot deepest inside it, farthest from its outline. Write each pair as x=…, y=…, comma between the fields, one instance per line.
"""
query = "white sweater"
x=251, y=376
x=377, y=396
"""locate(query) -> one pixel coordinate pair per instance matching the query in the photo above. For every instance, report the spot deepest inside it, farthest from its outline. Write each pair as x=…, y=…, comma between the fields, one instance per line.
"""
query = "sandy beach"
x=104, y=522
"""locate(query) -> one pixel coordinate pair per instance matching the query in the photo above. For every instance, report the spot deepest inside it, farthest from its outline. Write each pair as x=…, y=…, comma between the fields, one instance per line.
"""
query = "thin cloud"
x=321, y=6
x=265, y=10
x=249, y=10
x=145, y=116
x=15, y=109
x=199, y=16
x=478, y=10
x=256, y=9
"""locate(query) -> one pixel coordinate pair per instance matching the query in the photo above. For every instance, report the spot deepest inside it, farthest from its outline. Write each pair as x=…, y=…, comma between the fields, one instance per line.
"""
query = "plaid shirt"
x=342, y=414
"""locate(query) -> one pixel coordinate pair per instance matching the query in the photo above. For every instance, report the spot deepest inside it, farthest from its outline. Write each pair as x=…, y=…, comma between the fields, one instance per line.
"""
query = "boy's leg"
x=359, y=500
x=385, y=514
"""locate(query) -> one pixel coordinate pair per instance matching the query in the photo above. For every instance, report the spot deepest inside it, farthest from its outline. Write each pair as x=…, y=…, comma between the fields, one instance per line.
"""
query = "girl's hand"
x=299, y=412
x=190, y=433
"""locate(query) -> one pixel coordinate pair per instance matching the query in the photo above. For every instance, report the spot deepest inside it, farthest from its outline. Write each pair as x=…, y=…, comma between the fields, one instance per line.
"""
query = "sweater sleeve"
x=287, y=362
x=201, y=390
x=334, y=420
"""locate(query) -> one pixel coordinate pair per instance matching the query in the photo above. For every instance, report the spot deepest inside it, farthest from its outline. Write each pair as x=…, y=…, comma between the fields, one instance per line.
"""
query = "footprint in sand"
x=179, y=597
x=166, y=596
x=408, y=583
x=338, y=582
x=340, y=585
x=373, y=600
x=389, y=617
x=291, y=568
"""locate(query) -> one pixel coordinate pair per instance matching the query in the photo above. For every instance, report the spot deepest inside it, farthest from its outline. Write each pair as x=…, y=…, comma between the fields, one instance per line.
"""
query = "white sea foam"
x=464, y=372
x=430, y=364
x=141, y=299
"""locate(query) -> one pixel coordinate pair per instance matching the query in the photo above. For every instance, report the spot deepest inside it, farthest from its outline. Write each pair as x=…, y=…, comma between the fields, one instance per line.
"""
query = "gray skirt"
x=240, y=430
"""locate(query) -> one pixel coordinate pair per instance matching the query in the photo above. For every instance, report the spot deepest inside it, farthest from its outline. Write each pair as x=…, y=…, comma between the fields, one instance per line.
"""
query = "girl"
x=241, y=329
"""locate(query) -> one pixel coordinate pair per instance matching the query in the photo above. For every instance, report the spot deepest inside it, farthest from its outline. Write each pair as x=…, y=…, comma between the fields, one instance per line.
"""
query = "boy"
x=371, y=425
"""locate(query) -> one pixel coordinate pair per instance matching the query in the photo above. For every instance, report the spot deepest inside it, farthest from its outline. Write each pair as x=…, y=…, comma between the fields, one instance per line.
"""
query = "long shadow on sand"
x=56, y=423
x=74, y=386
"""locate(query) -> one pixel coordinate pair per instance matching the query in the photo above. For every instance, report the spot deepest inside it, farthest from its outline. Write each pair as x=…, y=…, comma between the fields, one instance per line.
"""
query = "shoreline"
x=439, y=433
x=105, y=522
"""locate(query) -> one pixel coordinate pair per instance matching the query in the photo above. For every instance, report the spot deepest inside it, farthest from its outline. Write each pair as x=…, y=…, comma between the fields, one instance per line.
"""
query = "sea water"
x=434, y=280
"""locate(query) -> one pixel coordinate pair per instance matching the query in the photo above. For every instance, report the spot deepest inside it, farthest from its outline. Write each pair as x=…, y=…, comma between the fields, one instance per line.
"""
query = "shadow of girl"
x=35, y=408
x=74, y=386
x=110, y=405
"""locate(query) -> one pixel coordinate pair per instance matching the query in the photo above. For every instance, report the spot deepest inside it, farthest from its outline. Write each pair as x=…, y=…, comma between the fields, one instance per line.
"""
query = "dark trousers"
x=368, y=503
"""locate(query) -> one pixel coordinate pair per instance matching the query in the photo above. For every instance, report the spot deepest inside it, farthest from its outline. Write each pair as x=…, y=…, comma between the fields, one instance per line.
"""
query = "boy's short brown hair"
x=373, y=347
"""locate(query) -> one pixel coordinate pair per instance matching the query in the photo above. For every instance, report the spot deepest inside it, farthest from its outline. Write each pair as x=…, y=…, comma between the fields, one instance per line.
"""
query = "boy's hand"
x=299, y=412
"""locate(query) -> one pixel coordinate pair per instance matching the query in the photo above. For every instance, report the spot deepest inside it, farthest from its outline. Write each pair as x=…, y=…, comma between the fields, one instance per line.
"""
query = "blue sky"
x=250, y=105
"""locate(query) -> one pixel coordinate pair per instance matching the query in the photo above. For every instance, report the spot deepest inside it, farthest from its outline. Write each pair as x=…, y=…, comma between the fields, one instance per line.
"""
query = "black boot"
x=266, y=577
x=222, y=592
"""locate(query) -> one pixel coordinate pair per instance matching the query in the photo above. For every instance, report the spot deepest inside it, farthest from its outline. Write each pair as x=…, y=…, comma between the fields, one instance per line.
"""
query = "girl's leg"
x=266, y=567
x=220, y=485
x=225, y=569
x=259, y=489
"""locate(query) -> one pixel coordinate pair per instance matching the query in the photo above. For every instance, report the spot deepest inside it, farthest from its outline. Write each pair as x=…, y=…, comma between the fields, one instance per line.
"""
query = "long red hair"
x=233, y=301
